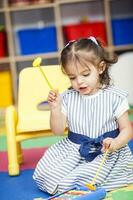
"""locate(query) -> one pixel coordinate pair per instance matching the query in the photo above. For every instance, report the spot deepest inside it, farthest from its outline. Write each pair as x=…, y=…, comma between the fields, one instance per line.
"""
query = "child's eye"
x=72, y=78
x=86, y=74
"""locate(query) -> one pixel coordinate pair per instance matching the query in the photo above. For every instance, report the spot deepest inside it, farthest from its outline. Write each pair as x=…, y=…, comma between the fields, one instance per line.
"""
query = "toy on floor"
x=78, y=192
x=81, y=193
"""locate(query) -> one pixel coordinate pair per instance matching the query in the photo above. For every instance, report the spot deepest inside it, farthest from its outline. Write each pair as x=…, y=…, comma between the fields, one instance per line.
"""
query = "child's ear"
x=102, y=66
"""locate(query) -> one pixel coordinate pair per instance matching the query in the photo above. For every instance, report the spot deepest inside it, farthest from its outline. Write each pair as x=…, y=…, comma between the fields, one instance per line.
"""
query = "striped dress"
x=90, y=115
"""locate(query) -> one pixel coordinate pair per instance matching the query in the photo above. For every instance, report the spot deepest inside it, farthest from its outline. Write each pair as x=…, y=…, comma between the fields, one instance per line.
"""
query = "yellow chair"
x=27, y=121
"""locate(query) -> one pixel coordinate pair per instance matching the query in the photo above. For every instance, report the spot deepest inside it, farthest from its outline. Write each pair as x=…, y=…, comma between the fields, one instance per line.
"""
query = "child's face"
x=85, y=80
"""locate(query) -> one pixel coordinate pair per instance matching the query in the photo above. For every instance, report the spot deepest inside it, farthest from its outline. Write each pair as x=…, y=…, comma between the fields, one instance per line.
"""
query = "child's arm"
x=57, y=118
x=125, y=135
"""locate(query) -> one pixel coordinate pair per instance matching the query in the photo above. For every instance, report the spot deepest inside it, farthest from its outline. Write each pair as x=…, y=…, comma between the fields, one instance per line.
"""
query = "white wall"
x=122, y=74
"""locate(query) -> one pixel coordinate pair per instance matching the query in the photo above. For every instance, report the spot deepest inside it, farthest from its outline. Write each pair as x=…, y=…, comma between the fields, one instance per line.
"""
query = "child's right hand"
x=54, y=99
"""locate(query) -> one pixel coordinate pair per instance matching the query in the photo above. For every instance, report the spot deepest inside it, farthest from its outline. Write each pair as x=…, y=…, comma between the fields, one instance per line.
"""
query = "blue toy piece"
x=99, y=194
x=79, y=192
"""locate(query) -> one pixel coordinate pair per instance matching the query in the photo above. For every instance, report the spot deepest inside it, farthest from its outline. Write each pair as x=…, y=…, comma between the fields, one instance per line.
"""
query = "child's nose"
x=80, y=80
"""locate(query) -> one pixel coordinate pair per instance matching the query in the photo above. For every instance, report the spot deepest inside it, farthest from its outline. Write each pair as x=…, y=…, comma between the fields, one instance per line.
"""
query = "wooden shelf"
x=31, y=57
x=119, y=48
x=4, y=60
x=123, y=48
x=73, y=1
x=31, y=7
x=8, y=13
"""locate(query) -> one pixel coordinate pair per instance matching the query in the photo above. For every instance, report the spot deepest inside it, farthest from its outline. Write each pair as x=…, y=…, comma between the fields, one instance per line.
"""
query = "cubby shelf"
x=13, y=58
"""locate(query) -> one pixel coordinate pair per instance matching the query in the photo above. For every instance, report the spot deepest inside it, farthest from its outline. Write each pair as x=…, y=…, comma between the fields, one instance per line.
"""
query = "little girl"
x=96, y=114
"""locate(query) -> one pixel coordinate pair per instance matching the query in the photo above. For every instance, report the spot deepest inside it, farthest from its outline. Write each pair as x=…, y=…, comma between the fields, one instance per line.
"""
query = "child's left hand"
x=109, y=144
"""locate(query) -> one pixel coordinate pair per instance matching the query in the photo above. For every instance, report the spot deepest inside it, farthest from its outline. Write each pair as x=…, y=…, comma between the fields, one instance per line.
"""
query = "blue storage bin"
x=35, y=40
x=122, y=31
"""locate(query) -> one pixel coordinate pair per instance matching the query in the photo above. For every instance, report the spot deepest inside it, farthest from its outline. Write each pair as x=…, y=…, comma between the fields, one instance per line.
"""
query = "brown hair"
x=78, y=51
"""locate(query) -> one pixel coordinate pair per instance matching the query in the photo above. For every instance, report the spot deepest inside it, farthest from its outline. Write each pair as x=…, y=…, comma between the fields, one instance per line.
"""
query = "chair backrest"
x=33, y=89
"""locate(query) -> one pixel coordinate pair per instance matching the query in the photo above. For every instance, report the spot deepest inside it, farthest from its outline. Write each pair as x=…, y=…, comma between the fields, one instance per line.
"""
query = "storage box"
x=6, y=97
x=2, y=43
x=84, y=30
x=34, y=41
x=122, y=31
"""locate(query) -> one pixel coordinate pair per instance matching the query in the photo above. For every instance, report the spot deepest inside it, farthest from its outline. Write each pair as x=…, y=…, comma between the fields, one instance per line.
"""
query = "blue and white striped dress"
x=90, y=115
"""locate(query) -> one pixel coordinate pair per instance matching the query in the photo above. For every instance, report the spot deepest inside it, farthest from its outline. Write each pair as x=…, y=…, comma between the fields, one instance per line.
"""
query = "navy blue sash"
x=90, y=147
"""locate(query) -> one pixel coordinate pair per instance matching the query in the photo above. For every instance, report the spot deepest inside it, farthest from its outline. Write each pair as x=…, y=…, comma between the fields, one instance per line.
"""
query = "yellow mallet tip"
x=90, y=186
x=37, y=62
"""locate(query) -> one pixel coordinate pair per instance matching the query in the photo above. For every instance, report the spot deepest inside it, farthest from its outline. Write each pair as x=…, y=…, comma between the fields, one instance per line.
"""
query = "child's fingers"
x=53, y=94
x=104, y=148
x=112, y=147
x=56, y=91
x=51, y=99
x=106, y=144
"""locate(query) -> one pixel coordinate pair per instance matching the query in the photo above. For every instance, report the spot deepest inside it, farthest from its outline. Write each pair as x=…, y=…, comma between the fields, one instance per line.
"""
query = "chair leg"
x=19, y=153
x=13, y=165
